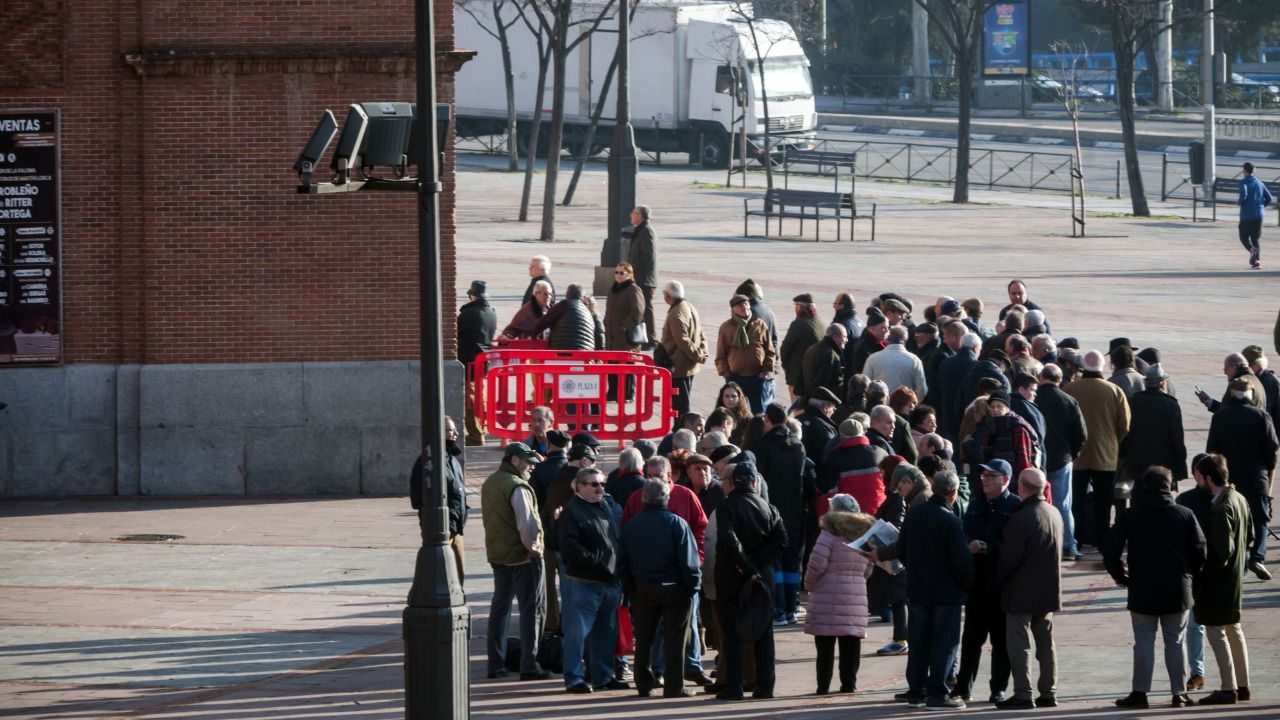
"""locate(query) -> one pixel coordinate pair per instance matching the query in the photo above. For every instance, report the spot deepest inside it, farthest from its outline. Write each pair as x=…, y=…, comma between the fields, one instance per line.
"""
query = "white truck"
x=686, y=61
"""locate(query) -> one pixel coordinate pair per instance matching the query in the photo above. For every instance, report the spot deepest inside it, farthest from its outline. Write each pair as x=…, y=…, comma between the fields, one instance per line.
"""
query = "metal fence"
x=1248, y=128
x=1175, y=175
x=920, y=162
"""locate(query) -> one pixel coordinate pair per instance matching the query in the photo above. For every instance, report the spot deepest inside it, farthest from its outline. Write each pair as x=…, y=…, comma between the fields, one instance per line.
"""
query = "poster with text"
x=30, y=238
x=1006, y=42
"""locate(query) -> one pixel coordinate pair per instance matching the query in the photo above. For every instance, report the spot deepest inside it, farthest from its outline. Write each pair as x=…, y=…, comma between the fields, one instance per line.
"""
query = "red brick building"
x=220, y=333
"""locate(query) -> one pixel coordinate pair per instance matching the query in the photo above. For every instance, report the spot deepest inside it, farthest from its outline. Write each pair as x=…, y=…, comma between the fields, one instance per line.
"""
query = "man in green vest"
x=513, y=543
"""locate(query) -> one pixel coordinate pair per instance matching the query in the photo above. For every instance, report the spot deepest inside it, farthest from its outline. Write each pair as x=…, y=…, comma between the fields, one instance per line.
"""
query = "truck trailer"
x=695, y=72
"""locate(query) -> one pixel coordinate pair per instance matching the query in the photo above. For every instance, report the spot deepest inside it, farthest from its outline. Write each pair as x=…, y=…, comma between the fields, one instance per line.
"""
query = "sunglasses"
x=593, y=483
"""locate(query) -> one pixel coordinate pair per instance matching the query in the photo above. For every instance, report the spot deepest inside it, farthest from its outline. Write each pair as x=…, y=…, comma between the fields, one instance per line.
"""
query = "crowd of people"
x=996, y=449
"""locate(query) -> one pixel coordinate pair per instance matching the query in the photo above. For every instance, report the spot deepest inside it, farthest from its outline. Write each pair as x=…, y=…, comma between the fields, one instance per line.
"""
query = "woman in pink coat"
x=836, y=579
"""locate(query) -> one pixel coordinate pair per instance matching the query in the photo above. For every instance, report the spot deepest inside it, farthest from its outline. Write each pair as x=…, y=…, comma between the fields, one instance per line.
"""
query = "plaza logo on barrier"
x=579, y=387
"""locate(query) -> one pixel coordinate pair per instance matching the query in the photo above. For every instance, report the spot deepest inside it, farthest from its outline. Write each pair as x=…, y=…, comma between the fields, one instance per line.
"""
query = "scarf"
x=740, y=336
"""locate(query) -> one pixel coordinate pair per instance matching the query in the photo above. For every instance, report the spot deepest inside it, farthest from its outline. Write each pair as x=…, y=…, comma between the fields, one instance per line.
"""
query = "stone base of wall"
x=238, y=429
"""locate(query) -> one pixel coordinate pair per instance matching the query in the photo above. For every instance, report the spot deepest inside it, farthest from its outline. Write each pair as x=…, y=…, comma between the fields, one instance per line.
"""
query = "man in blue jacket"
x=1254, y=196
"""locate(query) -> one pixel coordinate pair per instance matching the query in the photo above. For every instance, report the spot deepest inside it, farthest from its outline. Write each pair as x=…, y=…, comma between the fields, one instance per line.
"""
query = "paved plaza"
x=290, y=608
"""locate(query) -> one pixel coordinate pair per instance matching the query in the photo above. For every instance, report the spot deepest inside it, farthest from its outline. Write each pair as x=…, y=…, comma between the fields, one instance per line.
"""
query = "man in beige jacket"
x=683, y=342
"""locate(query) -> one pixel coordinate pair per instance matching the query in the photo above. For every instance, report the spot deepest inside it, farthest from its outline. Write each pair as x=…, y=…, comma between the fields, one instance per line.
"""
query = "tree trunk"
x=767, y=158
x=559, y=45
x=1125, y=53
x=590, y=137
x=964, y=74
x=508, y=74
x=534, y=128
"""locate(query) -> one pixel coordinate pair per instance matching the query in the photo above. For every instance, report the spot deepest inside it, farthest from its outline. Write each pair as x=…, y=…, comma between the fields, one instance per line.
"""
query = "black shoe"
x=1182, y=700
x=1046, y=701
x=681, y=693
x=951, y=703
x=997, y=696
x=762, y=695
x=697, y=678
x=1219, y=697
x=714, y=688
x=579, y=689
x=1134, y=701
x=497, y=674
x=848, y=689
x=907, y=697
x=612, y=685
x=1243, y=694
x=727, y=695
x=1016, y=703
x=821, y=691
x=537, y=675
x=657, y=679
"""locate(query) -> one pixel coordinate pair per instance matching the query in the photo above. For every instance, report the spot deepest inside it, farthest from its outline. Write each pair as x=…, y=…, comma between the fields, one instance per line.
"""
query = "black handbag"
x=661, y=358
x=637, y=335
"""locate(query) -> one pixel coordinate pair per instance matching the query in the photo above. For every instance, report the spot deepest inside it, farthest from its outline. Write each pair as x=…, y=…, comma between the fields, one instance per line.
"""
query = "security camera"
x=310, y=156
x=349, y=143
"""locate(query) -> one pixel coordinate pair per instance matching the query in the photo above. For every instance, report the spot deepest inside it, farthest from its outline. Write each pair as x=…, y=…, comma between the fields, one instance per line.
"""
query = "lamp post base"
x=436, y=659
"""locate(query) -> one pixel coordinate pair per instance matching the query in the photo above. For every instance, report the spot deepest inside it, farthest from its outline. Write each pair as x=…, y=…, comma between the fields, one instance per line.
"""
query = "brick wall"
x=183, y=238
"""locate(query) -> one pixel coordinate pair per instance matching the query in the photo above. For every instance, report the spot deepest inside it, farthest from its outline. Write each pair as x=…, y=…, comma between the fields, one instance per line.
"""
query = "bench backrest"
x=806, y=198
x=821, y=157
x=1230, y=185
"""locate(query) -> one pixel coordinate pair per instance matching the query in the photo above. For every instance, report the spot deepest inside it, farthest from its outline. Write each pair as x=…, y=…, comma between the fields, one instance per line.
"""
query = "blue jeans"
x=693, y=651
x=1260, y=511
x=1060, y=487
x=589, y=620
x=933, y=641
x=1195, y=647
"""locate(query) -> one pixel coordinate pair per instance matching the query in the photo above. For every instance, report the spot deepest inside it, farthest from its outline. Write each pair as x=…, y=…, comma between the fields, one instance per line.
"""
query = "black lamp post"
x=436, y=621
x=622, y=154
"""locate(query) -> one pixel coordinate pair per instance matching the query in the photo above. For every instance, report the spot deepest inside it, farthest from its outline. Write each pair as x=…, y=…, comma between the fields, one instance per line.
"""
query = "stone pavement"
x=290, y=608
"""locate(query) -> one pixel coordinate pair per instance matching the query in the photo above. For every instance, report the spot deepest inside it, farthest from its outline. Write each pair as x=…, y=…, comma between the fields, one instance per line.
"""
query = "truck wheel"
x=714, y=152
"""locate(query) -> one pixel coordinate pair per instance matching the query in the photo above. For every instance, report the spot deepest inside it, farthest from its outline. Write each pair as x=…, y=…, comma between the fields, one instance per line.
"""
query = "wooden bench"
x=822, y=160
x=1229, y=186
x=815, y=205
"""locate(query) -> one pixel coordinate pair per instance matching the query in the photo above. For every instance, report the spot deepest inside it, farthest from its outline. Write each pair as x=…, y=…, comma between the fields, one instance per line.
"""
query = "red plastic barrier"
x=616, y=400
x=501, y=343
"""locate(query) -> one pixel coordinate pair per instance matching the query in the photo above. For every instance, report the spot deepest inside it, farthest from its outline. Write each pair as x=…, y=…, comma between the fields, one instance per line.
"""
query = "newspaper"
x=881, y=535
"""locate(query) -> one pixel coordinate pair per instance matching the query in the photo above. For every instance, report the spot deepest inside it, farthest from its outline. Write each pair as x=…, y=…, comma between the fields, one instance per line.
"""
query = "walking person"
x=1254, y=196
x=1031, y=592
x=513, y=544
x=836, y=579
x=1165, y=550
x=1218, y=589
x=661, y=574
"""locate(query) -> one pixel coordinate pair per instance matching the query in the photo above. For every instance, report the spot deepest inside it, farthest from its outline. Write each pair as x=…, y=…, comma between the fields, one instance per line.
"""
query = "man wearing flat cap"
x=805, y=331
x=477, y=324
x=824, y=362
x=745, y=353
x=869, y=343
x=1155, y=430
x=818, y=429
x=513, y=543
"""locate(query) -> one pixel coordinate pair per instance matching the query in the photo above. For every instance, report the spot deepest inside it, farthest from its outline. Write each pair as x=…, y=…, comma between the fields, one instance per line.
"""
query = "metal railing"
x=1248, y=129
x=1175, y=176
x=990, y=168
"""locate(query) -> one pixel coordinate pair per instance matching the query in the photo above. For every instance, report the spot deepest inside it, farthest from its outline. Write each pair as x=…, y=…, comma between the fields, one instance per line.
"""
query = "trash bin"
x=1195, y=156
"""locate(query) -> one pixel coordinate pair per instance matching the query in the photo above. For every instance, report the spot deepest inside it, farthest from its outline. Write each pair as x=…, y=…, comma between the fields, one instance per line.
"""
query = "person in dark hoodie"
x=1166, y=549
x=455, y=481
x=588, y=544
x=477, y=324
x=780, y=461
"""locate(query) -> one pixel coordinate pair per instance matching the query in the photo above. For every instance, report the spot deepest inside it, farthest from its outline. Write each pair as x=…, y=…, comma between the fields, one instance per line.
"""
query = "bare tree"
x=1070, y=58
x=556, y=18
x=499, y=32
x=959, y=24
x=535, y=124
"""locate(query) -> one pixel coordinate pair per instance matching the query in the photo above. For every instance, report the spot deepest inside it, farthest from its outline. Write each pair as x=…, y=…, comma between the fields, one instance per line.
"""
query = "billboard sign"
x=1006, y=40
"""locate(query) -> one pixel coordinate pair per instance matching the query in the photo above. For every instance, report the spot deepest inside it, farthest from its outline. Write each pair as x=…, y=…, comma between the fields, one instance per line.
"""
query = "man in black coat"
x=869, y=343
x=819, y=430
x=824, y=364
x=994, y=365
x=1257, y=360
x=1155, y=430
x=940, y=575
x=1166, y=549
x=588, y=542
x=750, y=538
x=951, y=376
x=780, y=461
x=1246, y=437
x=572, y=325
x=456, y=498
x=984, y=527
x=477, y=324
x=944, y=351
x=1065, y=433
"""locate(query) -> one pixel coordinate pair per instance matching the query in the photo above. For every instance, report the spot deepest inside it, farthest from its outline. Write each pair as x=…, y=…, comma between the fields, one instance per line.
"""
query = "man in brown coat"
x=745, y=353
x=683, y=342
x=624, y=311
x=1106, y=418
x=804, y=332
x=1031, y=591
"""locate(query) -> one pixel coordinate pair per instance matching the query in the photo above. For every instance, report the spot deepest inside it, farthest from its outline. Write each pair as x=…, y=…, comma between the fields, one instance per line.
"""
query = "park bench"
x=823, y=160
x=1228, y=186
x=815, y=205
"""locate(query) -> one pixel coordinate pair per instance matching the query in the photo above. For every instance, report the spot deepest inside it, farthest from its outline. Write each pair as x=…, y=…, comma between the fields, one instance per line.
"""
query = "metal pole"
x=1207, y=90
x=436, y=621
x=922, y=89
x=622, y=154
x=1164, y=52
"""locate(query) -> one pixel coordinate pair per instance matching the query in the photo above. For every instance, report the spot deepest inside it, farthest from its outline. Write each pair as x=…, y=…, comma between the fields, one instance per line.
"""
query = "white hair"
x=542, y=285
x=542, y=261
x=835, y=329
x=882, y=412
x=970, y=341
x=684, y=439
x=1261, y=362
x=675, y=288
x=1035, y=317
x=897, y=335
x=658, y=464
x=794, y=427
x=630, y=459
